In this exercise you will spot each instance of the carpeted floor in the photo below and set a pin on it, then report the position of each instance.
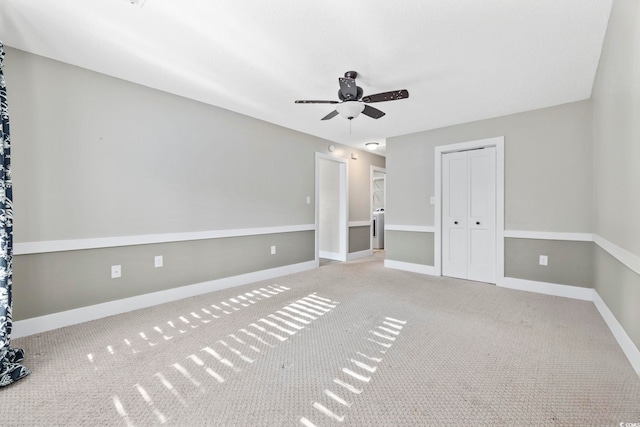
(346, 344)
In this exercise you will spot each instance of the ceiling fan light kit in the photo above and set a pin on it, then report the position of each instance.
(352, 102)
(350, 109)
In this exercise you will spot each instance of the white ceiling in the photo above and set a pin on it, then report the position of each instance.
(461, 60)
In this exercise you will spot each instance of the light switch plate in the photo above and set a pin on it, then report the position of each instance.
(273, 250)
(158, 261)
(544, 260)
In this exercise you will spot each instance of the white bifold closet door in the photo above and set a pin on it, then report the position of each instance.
(469, 215)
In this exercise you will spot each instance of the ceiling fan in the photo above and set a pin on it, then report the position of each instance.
(352, 102)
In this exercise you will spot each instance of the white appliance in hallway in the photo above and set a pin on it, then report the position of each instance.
(469, 214)
(378, 228)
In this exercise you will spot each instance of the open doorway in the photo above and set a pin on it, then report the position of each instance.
(378, 203)
(331, 209)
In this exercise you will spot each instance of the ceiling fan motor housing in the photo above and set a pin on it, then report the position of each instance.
(348, 97)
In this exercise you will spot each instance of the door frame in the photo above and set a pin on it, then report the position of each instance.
(373, 169)
(344, 205)
(498, 143)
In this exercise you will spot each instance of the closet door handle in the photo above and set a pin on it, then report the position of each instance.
(455, 222)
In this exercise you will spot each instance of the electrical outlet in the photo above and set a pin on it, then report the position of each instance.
(308, 200)
(273, 250)
(158, 261)
(432, 200)
(116, 271)
(544, 260)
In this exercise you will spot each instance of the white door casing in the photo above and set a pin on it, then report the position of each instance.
(483, 224)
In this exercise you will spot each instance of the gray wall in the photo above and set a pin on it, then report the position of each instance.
(616, 130)
(54, 282)
(406, 246)
(95, 156)
(548, 172)
(548, 183)
(570, 263)
(359, 238)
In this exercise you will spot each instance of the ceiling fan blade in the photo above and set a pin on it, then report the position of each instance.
(331, 115)
(387, 96)
(316, 102)
(372, 112)
(348, 88)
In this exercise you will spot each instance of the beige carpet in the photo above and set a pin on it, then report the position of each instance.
(346, 344)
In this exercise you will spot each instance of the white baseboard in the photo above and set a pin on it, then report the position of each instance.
(625, 343)
(49, 322)
(361, 254)
(575, 292)
(409, 266)
(331, 255)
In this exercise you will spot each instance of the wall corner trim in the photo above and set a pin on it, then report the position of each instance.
(409, 266)
(49, 322)
(361, 254)
(566, 291)
(625, 343)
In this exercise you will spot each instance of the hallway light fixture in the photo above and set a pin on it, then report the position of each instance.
(371, 145)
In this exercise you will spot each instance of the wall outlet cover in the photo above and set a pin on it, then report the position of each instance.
(158, 261)
(544, 260)
(273, 250)
(116, 271)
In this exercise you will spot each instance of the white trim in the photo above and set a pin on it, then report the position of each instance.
(28, 248)
(359, 223)
(331, 255)
(344, 205)
(49, 322)
(414, 228)
(361, 254)
(625, 343)
(549, 235)
(409, 266)
(629, 259)
(546, 288)
(497, 142)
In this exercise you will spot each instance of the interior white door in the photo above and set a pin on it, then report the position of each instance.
(455, 197)
(469, 214)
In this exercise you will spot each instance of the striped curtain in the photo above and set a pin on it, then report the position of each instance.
(10, 368)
